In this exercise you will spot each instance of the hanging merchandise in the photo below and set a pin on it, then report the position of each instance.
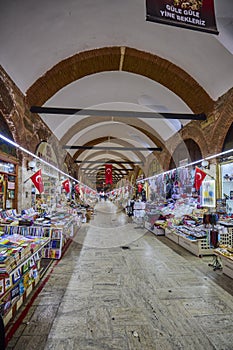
(208, 197)
(37, 181)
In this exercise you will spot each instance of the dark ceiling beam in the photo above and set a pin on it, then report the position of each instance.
(159, 149)
(112, 113)
(97, 169)
(112, 156)
(101, 140)
(110, 162)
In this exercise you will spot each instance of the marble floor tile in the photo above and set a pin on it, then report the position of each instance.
(152, 296)
(31, 343)
(222, 340)
(212, 324)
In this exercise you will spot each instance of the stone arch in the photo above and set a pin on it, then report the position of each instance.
(116, 59)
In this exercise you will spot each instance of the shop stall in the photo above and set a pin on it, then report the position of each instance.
(20, 265)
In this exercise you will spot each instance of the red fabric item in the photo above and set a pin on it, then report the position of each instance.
(198, 178)
(140, 187)
(66, 185)
(108, 173)
(76, 188)
(37, 181)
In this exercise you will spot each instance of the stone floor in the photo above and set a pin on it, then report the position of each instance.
(119, 287)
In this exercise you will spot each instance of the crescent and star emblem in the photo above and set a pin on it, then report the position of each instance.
(38, 179)
(108, 171)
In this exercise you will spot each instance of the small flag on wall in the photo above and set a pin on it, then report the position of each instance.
(198, 178)
(37, 181)
(108, 174)
(77, 189)
(66, 185)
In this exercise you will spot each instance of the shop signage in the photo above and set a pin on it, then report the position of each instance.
(190, 14)
(46, 152)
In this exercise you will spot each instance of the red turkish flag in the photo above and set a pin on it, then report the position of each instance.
(198, 178)
(76, 188)
(66, 185)
(140, 187)
(108, 174)
(37, 181)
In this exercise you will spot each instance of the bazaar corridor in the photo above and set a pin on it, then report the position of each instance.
(120, 287)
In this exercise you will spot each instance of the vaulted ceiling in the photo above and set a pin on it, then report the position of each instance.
(104, 55)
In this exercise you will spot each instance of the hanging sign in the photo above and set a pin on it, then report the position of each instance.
(190, 14)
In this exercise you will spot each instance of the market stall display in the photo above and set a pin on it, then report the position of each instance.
(20, 261)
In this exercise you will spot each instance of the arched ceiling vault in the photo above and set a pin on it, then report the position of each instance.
(120, 59)
(106, 138)
(112, 155)
(133, 122)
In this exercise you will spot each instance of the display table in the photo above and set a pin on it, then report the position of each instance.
(59, 236)
(226, 259)
(154, 229)
(59, 230)
(196, 245)
(20, 262)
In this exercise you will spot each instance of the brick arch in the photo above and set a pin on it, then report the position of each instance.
(116, 59)
(194, 132)
(223, 113)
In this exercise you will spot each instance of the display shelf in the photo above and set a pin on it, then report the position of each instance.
(196, 246)
(61, 229)
(226, 260)
(171, 235)
(17, 284)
